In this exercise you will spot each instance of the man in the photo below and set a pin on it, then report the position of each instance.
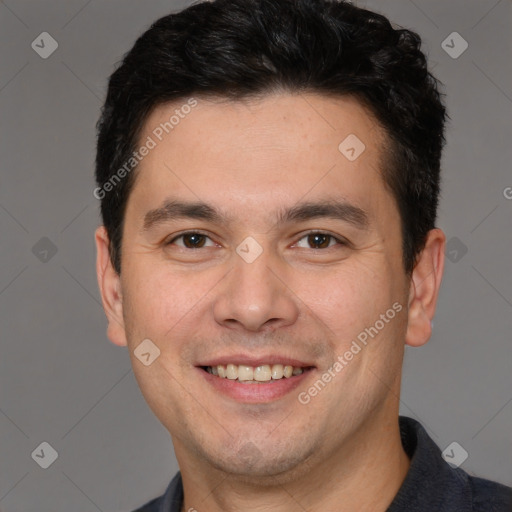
(269, 175)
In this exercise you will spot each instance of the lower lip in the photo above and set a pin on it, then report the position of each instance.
(255, 393)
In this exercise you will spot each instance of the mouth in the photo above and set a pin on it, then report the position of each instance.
(261, 382)
(261, 374)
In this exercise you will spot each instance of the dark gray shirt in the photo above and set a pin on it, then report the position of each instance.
(431, 484)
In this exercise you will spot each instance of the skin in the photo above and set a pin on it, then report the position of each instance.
(341, 451)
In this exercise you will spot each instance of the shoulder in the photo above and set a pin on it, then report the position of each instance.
(152, 506)
(433, 484)
(489, 496)
(170, 501)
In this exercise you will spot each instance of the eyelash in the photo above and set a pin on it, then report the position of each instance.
(305, 235)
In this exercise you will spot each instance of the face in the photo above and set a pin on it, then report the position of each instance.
(289, 256)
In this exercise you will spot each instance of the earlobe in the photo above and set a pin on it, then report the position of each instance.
(109, 283)
(424, 290)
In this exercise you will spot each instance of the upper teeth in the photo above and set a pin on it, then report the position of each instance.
(263, 373)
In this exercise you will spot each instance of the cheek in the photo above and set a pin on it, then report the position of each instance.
(348, 299)
(159, 301)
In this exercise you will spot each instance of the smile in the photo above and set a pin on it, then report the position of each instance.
(254, 374)
(259, 384)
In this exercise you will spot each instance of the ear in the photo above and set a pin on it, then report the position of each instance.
(109, 282)
(424, 290)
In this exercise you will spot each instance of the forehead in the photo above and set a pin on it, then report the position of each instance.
(277, 149)
(275, 121)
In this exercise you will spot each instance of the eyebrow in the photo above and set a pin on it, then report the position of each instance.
(333, 209)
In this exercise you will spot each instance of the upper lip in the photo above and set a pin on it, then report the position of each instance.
(246, 360)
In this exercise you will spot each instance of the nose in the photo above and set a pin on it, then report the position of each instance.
(255, 297)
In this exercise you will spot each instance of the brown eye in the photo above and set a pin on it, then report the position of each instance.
(191, 240)
(318, 240)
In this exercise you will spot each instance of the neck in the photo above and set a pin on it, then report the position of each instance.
(363, 474)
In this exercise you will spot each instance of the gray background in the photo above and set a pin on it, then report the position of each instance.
(63, 382)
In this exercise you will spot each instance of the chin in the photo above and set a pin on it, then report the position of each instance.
(250, 466)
